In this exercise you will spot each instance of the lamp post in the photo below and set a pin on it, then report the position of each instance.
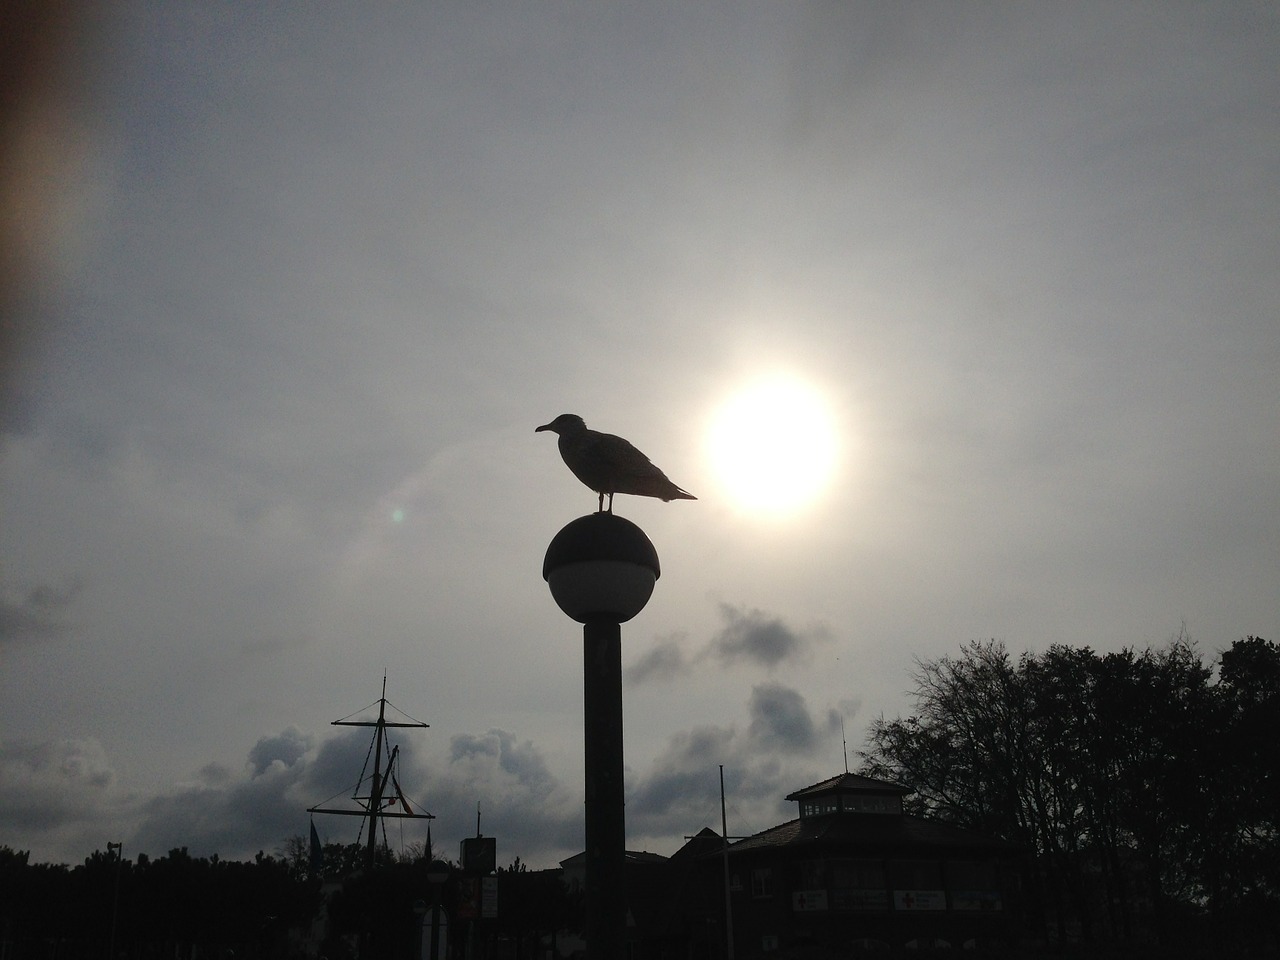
(437, 874)
(115, 897)
(601, 570)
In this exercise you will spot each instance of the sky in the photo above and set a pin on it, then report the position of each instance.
(310, 275)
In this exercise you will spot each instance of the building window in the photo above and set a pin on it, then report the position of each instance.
(819, 806)
(873, 803)
(762, 883)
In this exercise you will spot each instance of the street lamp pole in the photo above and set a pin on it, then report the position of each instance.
(605, 818)
(115, 898)
(437, 874)
(601, 570)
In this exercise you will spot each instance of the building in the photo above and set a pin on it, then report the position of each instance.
(854, 872)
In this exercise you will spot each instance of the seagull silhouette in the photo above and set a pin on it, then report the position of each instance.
(609, 464)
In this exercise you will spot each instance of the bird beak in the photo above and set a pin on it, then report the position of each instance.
(545, 426)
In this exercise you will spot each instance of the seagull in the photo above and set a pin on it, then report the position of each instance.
(609, 464)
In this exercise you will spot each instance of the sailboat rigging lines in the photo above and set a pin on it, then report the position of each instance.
(384, 790)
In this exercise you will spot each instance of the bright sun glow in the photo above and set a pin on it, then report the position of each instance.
(773, 446)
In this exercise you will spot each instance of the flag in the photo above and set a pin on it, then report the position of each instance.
(317, 852)
(400, 793)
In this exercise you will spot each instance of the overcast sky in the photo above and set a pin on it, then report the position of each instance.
(318, 270)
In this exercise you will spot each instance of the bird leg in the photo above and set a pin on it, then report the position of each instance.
(610, 501)
(601, 510)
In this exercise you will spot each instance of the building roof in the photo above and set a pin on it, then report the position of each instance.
(705, 841)
(872, 833)
(579, 860)
(849, 783)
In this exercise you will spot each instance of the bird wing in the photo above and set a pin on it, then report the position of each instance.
(610, 464)
(617, 452)
(598, 459)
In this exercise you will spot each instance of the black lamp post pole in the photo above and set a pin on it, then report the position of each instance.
(437, 874)
(601, 570)
(605, 826)
(435, 924)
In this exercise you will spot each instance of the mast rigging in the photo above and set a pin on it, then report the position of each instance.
(373, 807)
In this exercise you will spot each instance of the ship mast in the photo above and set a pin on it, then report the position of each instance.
(372, 806)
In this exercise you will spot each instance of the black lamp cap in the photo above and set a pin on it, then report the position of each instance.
(600, 536)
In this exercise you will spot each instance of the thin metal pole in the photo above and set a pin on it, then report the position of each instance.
(728, 902)
(605, 820)
(115, 899)
(435, 923)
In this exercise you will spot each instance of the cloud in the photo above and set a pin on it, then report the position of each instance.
(338, 762)
(285, 749)
(780, 719)
(748, 636)
(664, 662)
(777, 751)
(519, 761)
(678, 794)
(521, 802)
(66, 795)
(236, 814)
(46, 785)
(759, 638)
(38, 614)
(233, 816)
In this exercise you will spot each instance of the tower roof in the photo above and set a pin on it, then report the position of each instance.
(849, 783)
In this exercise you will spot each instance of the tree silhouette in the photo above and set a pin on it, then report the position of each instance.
(1143, 792)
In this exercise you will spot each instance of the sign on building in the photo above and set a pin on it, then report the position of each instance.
(919, 900)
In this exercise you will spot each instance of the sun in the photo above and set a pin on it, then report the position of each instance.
(773, 445)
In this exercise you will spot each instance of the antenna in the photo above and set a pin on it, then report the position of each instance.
(844, 745)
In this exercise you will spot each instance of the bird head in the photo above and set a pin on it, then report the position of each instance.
(566, 423)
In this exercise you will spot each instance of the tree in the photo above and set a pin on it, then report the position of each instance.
(1241, 843)
(1132, 781)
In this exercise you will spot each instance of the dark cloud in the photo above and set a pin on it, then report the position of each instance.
(44, 786)
(38, 615)
(233, 822)
(284, 749)
(780, 719)
(664, 662)
(235, 815)
(748, 636)
(777, 752)
(520, 801)
(216, 774)
(236, 811)
(685, 775)
(339, 764)
(758, 638)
